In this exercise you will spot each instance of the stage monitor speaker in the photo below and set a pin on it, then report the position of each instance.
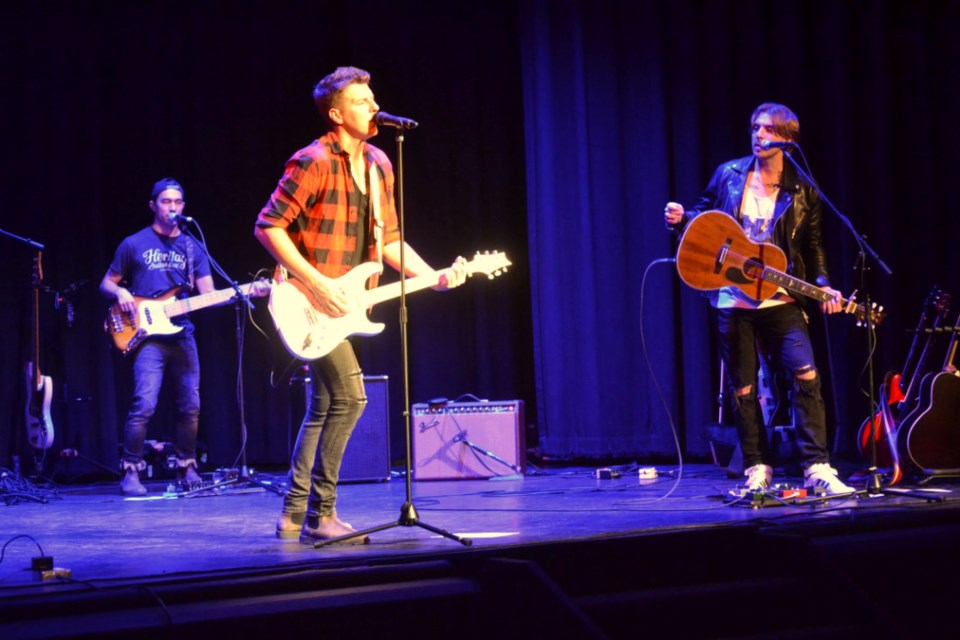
(463, 440)
(367, 458)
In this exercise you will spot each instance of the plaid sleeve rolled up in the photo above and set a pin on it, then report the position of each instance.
(312, 202)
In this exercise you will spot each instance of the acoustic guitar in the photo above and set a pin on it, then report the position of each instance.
(715, 252)
(931, 433)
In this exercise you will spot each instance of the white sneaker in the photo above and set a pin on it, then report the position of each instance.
(759, 477)
(824, 477)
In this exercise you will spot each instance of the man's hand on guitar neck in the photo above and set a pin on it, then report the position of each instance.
(453, 276)
(835, 305)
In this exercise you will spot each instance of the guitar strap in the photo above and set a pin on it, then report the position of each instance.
(375, 210)
(190, 263)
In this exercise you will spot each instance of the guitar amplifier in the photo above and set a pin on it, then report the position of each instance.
(463, 440)
(367, 457)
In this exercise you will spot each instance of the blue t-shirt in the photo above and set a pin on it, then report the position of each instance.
(152, 265)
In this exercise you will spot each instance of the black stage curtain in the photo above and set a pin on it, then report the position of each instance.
(104, 98)
(630, 104)
(553, 131)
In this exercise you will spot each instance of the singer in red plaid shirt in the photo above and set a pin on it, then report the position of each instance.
(317, 202)
(332, 210)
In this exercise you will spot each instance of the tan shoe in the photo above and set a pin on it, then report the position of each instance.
(188, 475)
(130, 484)
(289, 525)
(327, 528)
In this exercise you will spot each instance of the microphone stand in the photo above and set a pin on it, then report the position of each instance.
(408, 512)
(462, 437)
(874, 486)
(241, 301)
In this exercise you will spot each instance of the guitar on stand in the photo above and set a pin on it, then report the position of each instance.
(39, 387)
(899, 390)
(930, 435)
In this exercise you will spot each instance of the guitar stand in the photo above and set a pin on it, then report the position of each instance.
(929, 475)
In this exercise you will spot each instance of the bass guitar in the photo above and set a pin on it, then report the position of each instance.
(152, 315)
(715, 252)
(39, 387)
(308, 333)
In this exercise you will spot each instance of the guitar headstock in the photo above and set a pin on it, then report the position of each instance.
(877, 315)
(259, 288)
(939, 302)
(492, 264)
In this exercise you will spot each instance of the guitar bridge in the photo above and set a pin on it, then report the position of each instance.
(722, 255)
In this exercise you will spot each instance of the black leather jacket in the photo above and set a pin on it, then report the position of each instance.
(797, 216)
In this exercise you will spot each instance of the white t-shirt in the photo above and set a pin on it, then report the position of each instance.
(758, 225)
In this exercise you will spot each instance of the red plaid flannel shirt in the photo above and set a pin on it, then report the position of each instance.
(312, 203)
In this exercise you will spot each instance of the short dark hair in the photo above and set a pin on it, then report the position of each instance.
(328, 90)
(785, 122)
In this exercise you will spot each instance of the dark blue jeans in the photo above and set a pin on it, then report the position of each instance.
(155, 358)
(336, 399)
(781, 332)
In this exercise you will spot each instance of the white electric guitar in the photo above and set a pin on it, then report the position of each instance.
(308, 333)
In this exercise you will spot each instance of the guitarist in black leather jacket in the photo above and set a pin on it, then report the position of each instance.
(764, 194)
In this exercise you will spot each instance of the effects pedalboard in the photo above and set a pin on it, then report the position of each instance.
(775, 496)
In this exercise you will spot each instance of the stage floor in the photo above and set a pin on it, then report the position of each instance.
(104, 540)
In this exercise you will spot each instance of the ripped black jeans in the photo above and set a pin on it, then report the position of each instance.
(335, 401)
(781, 331)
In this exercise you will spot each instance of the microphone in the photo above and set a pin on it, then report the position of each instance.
(179, 217)
(771, 144)
(384, 119)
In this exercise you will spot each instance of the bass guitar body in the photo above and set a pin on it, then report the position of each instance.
(38, 419)
(128, 330)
